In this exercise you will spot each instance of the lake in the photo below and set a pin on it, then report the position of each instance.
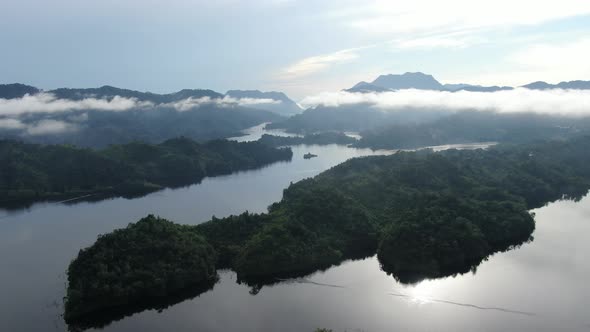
(541, 286)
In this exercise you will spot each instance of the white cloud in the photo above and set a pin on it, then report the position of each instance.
(385, 17)
(566, 102)
(553, 63)
(452, 40)
(570, 57)
(78, 117)
(255, 101)
(50, 127)
(191, 103)
(11, 124)
(48, 103)
(318, 63)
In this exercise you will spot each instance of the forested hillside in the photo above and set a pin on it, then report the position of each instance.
(30, 172)
(472, 127)
(425, 214)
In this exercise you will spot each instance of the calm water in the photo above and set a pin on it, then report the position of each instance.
(539, 287)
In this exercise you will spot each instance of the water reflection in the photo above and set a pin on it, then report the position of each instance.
(256, 132)
(106, 317)
(539, 287)
(424, 299)
(547, 277)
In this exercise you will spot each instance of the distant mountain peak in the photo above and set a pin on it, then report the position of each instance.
(366, 87)
(16, 90)
(422, 81)
(574, 85)
(390, 82)
(408, 80)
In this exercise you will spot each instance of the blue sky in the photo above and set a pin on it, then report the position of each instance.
(299, 47)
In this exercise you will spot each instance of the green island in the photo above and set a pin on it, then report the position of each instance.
(324, 138)
(173, 259)
(31, 172)
(424, 214)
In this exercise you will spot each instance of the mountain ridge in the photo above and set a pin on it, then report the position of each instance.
(421, 81)
(286, 106)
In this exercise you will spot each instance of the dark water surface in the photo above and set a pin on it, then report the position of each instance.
(542, 286)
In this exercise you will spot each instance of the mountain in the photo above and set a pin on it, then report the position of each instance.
(539, 85)
(96, 128)
(109, 92)
(423, 81)
(479, 88)
(365, 87)
(282, 105)
(474, 127)
(408, 81)
(392, 82)
(454, 87)
(155, 122)
(16, 90)
(354, 117)
(574, 85)
(419, 81)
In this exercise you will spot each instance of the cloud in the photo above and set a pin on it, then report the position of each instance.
(318, 63)
(550, 62)
(386, 17)
(11, 124)
(50, 127)
(48, 103)
(571, 57)
(254, 101)
(452, 40)
(565, 102)
(191, 103)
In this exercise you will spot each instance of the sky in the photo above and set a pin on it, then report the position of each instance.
(300, 47)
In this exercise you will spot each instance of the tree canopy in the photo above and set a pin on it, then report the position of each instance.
(30, 172)
(426, 214)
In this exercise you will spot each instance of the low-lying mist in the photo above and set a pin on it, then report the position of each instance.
(520, 100)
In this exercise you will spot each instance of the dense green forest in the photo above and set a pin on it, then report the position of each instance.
(30, 172)
(150, 259)
(426, 214)
(317, 139)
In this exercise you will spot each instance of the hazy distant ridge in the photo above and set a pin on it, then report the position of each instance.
(421, 81)
(285, 105)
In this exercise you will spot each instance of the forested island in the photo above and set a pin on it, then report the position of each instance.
(324, 138)
(424, 214)
(30, 172)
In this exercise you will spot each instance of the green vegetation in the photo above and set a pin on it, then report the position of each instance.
(309, 155)
(152, 258)
(471, 127)
(34, 172)
(317, 139)
(425, 214)
(411, 128)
